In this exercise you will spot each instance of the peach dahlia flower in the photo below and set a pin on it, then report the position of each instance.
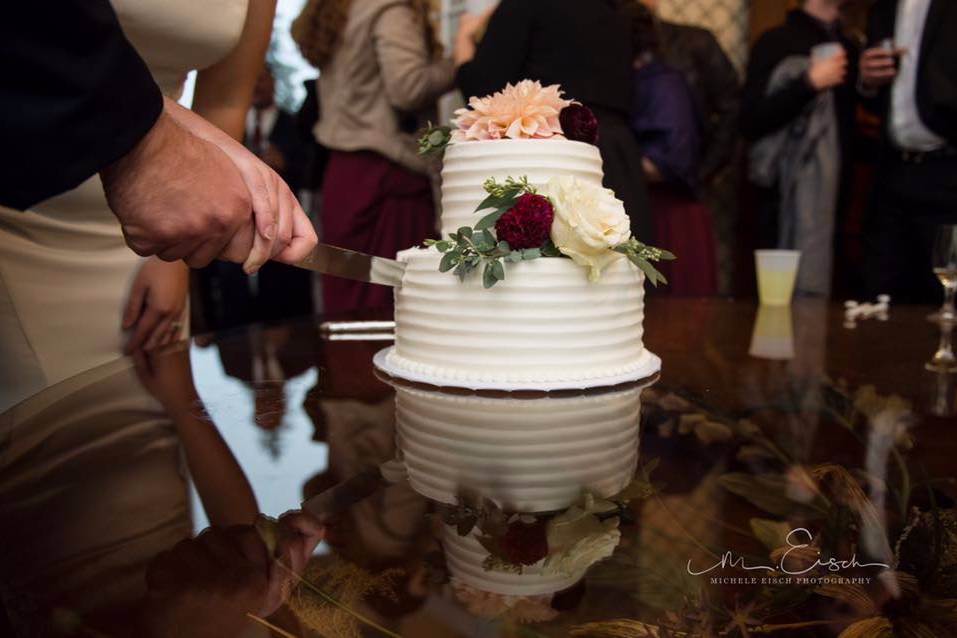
(526, 110)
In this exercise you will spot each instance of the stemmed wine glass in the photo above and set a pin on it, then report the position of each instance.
(945, 267)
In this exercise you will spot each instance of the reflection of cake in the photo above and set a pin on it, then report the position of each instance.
(527, 556)
(528, 455)
(464, 557)
(567, 305)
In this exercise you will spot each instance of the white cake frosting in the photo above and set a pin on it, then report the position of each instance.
(546, 326)
(467, 165)
(526, 455)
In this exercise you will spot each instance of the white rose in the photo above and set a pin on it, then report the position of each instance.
(583, 554)
(589, 222)
(578, 539)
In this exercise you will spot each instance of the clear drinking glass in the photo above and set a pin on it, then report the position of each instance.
(945, 267)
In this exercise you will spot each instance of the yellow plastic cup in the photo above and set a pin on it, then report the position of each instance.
(777, 272)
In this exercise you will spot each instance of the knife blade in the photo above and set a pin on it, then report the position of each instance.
(340, 262)
(344, 495)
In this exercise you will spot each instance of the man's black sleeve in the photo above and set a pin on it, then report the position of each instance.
(74, 96)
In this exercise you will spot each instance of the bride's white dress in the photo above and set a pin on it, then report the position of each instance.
(65, 271)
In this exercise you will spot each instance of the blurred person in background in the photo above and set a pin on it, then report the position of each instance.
(716, 89)
(797, 109)
(72, 293)
(909, 76)
(271, 133)
(668, 129)
(586, 48)
(224, 295)
(381, 72)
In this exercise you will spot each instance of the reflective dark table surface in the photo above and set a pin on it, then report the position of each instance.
(788, 475)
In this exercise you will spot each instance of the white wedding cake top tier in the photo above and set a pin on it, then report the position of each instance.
(467, 165)
(526, 455)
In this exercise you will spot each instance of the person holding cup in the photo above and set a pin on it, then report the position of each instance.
(908, 77)
(797, 110)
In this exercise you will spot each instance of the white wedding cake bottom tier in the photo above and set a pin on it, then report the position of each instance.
(464, 557)
(526, 455)
(545, 327)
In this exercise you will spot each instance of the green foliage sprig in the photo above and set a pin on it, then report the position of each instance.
(469, 249)
(433, 139)
(500, 198)
(643, 256)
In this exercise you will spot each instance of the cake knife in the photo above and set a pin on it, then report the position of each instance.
(344, 495)
(331, 260)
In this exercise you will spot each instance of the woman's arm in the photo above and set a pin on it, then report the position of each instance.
(412, 79)
(225, 90)
(500, 56)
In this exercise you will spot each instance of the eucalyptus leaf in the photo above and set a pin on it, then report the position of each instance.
(449, 261)
(489, 220)
(498, 270)
(488, 277)
(531, 253)
(550, 250)
(465, 231)
(496, 201)
(514, 257)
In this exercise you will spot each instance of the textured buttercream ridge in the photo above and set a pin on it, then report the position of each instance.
(440, 373)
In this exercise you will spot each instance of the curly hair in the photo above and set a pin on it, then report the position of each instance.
(318, 29)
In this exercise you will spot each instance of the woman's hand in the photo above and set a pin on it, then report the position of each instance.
(155, 311)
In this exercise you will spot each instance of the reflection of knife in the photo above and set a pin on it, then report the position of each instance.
(330, 260)
(341, 497)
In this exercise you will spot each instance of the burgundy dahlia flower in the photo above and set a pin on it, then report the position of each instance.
(528, 223)
(525, 543)
(579, 123)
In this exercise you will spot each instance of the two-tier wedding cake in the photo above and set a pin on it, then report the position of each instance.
(537, 282)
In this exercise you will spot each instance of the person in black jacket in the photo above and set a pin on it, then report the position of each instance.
(763, 113)
(583, 46)
(77, 100)
(913, 85)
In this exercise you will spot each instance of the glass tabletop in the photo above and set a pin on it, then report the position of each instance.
(788, 473)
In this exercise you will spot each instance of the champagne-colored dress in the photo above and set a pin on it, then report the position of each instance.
(65, 270)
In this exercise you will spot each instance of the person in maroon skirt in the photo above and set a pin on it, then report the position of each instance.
(380, 75)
